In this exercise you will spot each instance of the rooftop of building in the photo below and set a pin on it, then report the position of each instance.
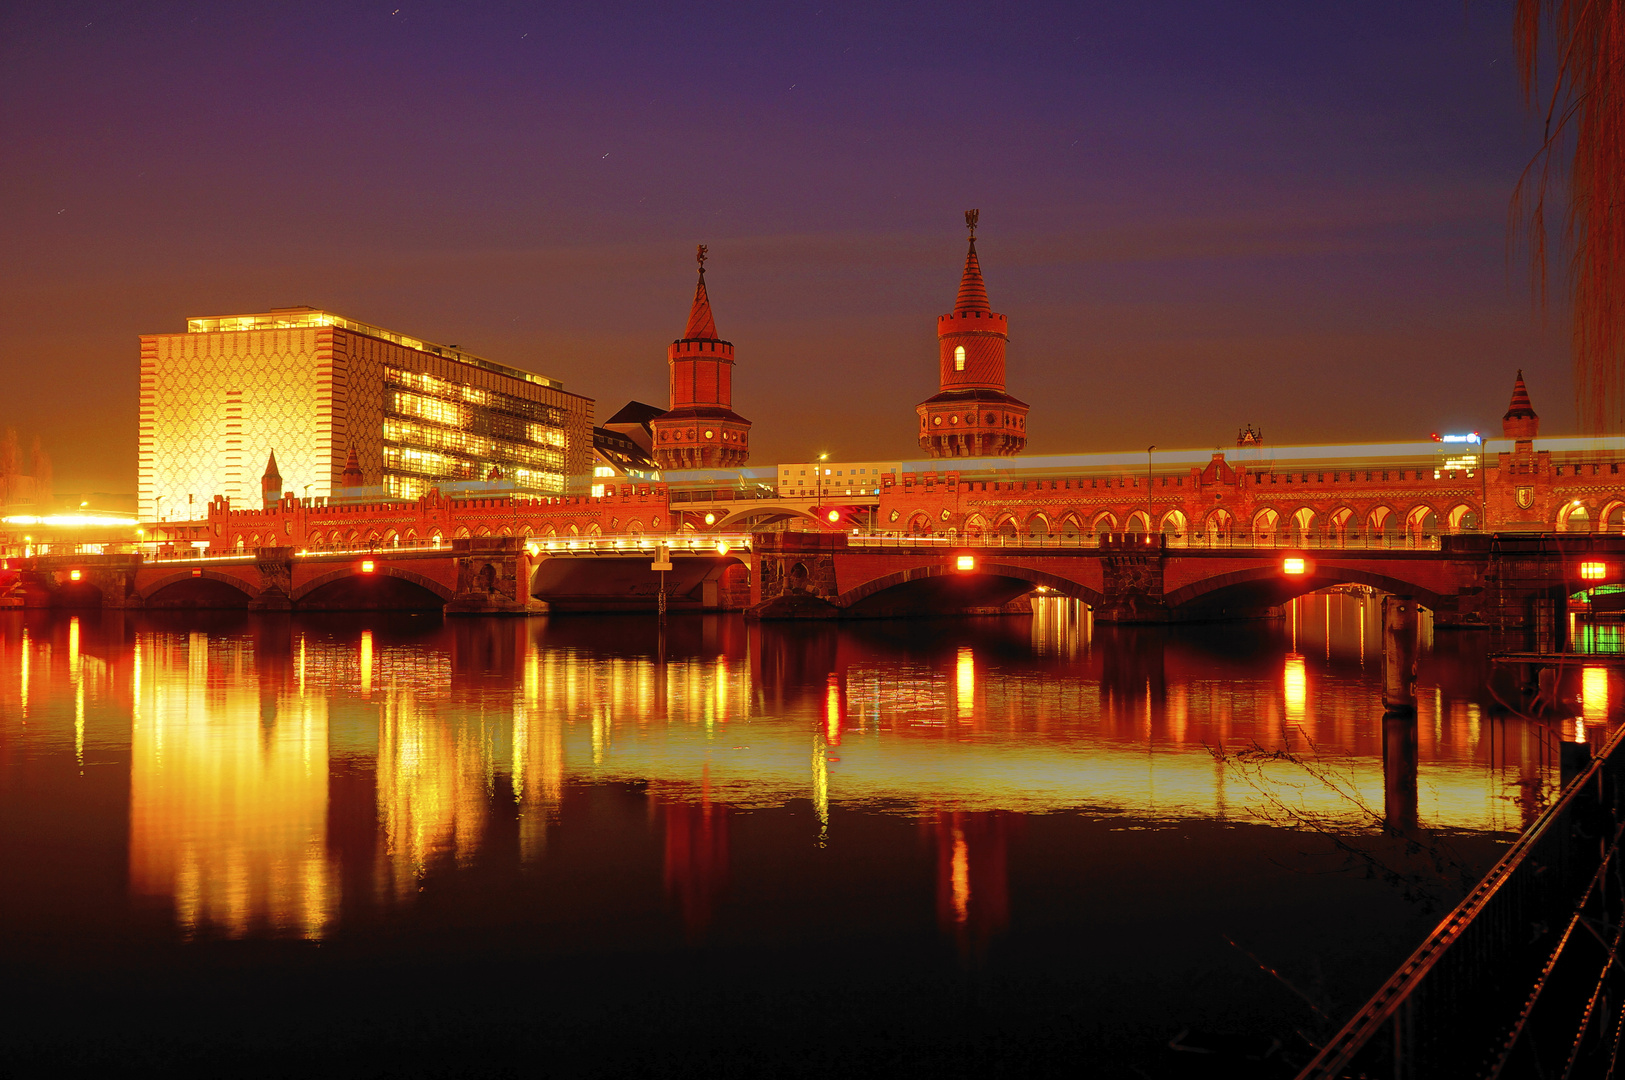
(300, 318)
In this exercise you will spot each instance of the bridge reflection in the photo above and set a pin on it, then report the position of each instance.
(286, 772)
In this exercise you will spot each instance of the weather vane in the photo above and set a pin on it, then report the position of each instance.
(970, 221)
(700, 257)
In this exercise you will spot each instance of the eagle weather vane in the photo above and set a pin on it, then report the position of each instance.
(970, 221)
(699, 257)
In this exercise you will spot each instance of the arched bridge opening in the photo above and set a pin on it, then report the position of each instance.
(387, 588)
(947, 589)
(1259, 590)
(205, 589)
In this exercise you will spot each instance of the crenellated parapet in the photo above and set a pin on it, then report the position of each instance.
(432, 519)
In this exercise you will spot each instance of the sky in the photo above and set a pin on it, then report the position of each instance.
(1197, 215)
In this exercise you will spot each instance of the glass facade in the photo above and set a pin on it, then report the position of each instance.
(437, 430)
(313, 388)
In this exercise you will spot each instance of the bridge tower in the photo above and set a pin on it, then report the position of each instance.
(700, 430)
(970, 415)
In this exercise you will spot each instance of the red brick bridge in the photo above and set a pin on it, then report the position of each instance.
(1497, 580)
(1469, 580)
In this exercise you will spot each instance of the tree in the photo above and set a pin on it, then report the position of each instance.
(1585, 110)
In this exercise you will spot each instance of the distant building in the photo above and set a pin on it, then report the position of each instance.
(971, 415)
(622, 448)
(316, 390)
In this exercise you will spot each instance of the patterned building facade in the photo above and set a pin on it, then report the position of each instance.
(970, 415)
(701, 430)
(316, 390)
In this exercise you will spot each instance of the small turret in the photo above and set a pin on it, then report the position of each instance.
(352, 476)
(271, 483)
(1520, 422)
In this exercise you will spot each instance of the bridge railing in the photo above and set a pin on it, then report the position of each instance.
(1201, 541)
(1517, 968)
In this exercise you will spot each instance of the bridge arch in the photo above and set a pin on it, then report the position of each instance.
(1071, 526)
(382, 570)
(1338, 523)
(1302, 526)
(984, 569)
(771, 514)
(1574, 516)
(975, 527)
(1219, 524)
(1422, 521)
(1264, 524)
(1612, 518)
(1173, 523)
(1037, 525)
(1105, 522)
(1266, 586)
(1382, 523)
(184, 586)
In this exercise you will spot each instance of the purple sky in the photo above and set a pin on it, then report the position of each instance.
(1195, 214)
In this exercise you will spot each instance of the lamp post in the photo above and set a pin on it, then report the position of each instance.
(157, 515)
(818, 490)
(1149, 526)
(1484, 489)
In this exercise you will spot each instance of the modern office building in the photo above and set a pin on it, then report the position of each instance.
(312, 387)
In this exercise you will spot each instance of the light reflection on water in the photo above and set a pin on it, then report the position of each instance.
(256, 747)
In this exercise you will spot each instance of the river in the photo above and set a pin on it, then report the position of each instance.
(387, 845)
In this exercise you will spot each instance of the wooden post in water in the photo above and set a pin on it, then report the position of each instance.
(1400, 641)
(1399, 772)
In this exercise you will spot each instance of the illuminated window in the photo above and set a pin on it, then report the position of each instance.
(1292, 566)
(603, 470)
(367, 566)
(1593, 571)
(965, 562)
(959, 358)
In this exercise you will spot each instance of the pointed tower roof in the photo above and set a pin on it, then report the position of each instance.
(1521, 408)
(272, 478)
(1520, 421)
(972, 291)
(352, 477)
(700, 323)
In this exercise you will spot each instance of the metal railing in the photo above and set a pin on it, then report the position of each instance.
(1199, 541)
(1517, 968)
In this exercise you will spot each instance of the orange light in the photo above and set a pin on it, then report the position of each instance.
(965, 562)
(197, 573)
(834, 516)
(73, 575)
(366, 566)
(1292, 566)
(1593, 571)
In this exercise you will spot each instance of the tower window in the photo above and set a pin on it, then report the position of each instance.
(959, 358)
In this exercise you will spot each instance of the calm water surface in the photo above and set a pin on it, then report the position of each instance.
(403, 846)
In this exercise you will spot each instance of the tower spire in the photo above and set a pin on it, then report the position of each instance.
(701, 325)
(972, 290)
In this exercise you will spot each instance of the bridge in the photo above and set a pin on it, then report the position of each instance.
(478, 576)
(1501, 581)
(1497, 581)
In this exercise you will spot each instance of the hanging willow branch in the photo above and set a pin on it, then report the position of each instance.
(1585, 109)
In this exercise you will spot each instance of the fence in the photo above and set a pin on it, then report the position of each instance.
(1511, 980)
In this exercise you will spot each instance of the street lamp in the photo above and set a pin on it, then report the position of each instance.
(1148, 522)
(818, 477)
